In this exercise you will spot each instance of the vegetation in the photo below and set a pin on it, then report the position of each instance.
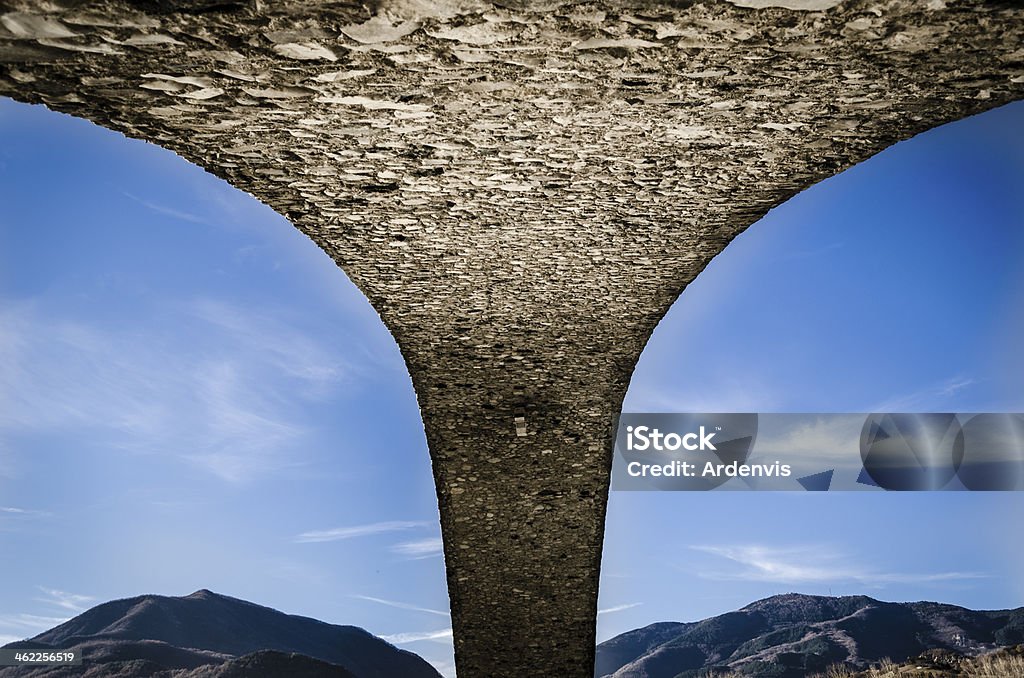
(996, 666)
(1006, 663)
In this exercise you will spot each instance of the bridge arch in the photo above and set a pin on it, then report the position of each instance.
(521, 190)
(206, 389)
(892, 287)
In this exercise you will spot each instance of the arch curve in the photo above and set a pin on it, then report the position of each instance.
(521, 191)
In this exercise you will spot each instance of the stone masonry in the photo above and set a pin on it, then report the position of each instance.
(521, 188)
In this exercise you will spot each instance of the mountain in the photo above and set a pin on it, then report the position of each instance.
(794, 635)
(207, 635)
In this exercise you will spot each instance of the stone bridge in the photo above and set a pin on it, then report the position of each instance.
(521, 188)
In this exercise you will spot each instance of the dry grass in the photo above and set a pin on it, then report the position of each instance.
(995, 666)
(885, 669)
(836, 671)
(998, 665)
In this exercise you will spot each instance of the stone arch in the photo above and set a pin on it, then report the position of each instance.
(521, 189)
(774, 324)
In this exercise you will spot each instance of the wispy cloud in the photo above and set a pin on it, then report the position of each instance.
(30, 623)
(832, 438)
(12, 517)
(353, 531)
(217, 391)
(763, 563)
(653, 391)
(896, 578)
(810, 565)
(25, 513)
(63, 605)
(444, 636)
(812, 253)
(403, 606)
(422, 548)
(618, 608)
(952, 386)
(73, 602)
(244, 435)
(932, 398)
(290, 353)
(167, 211)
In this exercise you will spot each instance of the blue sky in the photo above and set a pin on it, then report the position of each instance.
(192, 395)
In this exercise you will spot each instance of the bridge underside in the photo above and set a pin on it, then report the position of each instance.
(521, 188)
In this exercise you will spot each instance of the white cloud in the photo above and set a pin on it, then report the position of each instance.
(403, 606)
(22, 513)
(69, 601)
(952, 386)
(444, 635)
(618, 608)
(12, 517)
(653, 391)
(423, 548)
(167, 211)
(809, 565)
(896, 578)
(826, 439)
(19, 626)
(762, 563)
(813, 253)
(30, 623)
(244, 436)
(933, 398)
(216, 391)
(288, 352)
(339, 533)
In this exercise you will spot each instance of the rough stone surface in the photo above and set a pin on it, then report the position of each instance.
(521, 188)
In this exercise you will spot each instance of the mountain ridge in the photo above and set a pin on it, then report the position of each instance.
(173, 636)
(794, 635)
